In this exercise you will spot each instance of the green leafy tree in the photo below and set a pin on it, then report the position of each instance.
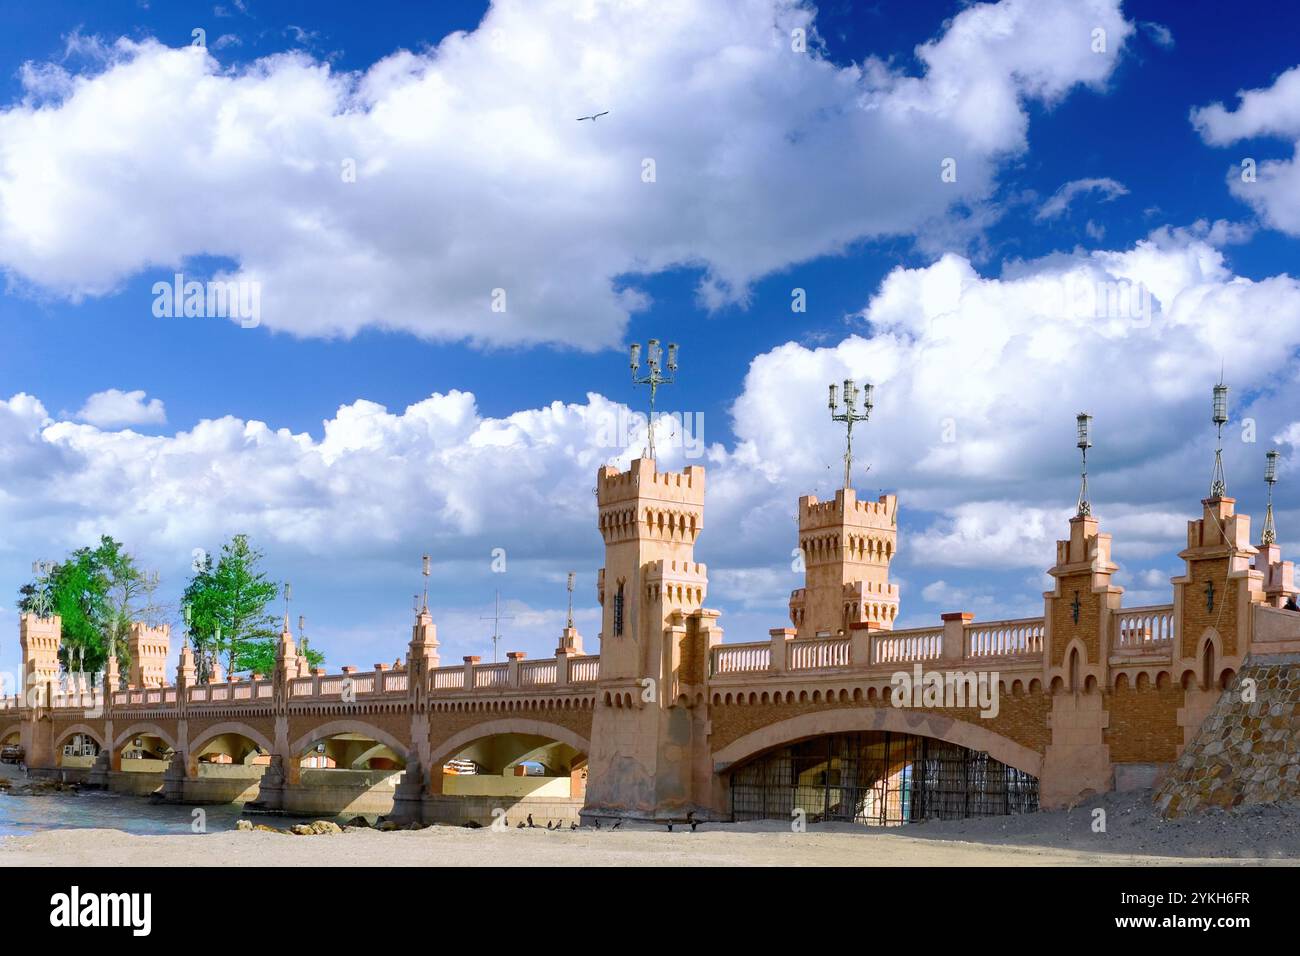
(260, 656)
(97, 592)
(228, 610)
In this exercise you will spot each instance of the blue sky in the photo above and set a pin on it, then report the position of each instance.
(112, 178)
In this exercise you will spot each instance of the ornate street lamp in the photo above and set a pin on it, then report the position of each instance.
(654, 379)
(849, 416)
(42, 570)
(1084, 422)
(1218, 485)
(1269, 535)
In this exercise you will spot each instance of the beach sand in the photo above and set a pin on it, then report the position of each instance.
(1134, 835)
(455, 846)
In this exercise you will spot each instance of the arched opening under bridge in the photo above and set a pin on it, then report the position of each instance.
(877, 778)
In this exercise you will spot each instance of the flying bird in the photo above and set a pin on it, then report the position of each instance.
(593, 117)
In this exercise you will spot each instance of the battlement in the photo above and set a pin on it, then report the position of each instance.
(847, 511)
(149, 648)
(40, 639)
(642, 481)
(684, 571)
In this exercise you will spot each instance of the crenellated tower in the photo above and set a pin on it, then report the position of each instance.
(40, 639)
(847, 546)
(649, 752)
(650, 522)
(149, 648)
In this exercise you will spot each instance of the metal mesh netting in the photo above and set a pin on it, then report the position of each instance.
(879, 779)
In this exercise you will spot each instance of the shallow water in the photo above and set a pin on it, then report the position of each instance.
(98, 809)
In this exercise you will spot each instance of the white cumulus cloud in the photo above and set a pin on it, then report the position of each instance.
(1270, 186)
(113, 408)
(474, 186)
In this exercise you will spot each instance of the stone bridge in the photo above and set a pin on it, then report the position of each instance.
(839, 716)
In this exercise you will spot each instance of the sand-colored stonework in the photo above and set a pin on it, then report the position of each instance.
(1091, 696)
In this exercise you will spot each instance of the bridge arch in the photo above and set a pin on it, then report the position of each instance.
(151, 729)
(86, 730)
(11, 731)
(229, 727)
(893, 719)
(349, 727)
(454, 744)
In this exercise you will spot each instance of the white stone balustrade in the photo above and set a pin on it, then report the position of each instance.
(904, 647)
(1022, 637)
(1141, 629)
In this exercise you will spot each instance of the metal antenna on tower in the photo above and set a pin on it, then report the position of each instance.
(1084, 420)
(288, 596)
(849, 416)
(654, 379)
(496, 618)
(570, 586)
(424, 569)
(1269, 535)
(1218, 484)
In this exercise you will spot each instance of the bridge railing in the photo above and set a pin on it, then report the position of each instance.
(1021, 637)
(1141, 630)
(534, 673)
(741, 658)
(818, 653)
(904, 647)
(447, 678)
(584, 669)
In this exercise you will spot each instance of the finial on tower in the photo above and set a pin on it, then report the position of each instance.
(849, 416)
(1269, 535)
(1218, 484)
(654, 379)
(1084, 423)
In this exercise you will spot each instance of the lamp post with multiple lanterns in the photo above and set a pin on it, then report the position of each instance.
(1084, 422)
(849, 416)
(1218, 484)
(654, 379)
(1269, 534)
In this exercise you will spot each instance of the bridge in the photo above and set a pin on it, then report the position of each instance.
(837, 716)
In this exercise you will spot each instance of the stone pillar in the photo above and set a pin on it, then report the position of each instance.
(112, 681)
(513, 659)
(571, 641)
(470, 661)
(860, 643)
(954, 634)
(781, 637)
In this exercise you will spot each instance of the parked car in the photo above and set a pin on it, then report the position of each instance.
(12, 753)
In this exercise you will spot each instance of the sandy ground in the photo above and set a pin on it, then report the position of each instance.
(1134, 837)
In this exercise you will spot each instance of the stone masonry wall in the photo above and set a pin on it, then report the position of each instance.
(1247, 751)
